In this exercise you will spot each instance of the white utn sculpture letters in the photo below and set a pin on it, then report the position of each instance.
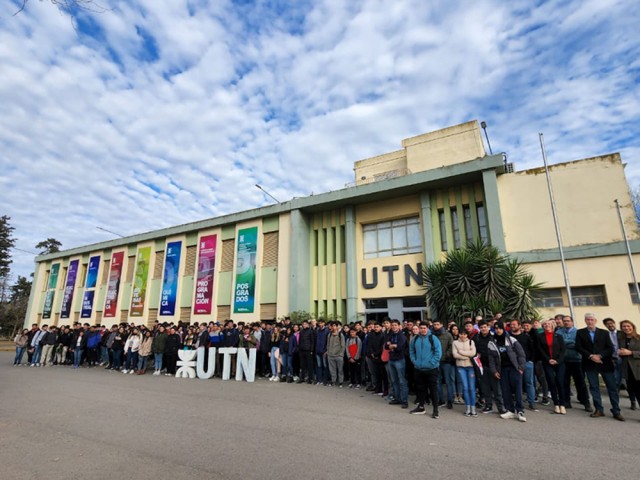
(226, 363)
(211, 364)
(186, 364)
(246, 365)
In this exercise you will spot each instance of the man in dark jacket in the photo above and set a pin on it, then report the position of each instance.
(528, 345)
(375, 343)
(322, 364)
(47, 343)
(306, 345)
(594, 344)
(489, 384)
(172, 346)
(507, 362)
(396, 343)
(64, 342)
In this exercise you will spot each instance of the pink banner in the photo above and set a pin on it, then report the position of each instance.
(204, 281)
(113, 287)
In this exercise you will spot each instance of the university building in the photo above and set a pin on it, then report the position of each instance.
(357, 253)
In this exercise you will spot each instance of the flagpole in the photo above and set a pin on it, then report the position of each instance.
(557, 227)
(626, 242)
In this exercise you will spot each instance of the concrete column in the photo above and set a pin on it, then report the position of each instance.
(352, 264)
(300, 276)
(427, 231)
(492, 209)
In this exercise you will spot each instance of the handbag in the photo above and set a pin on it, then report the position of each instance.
(384, 357)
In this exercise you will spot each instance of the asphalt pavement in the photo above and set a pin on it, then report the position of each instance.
(60, 423)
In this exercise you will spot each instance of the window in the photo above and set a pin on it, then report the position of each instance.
(468, 229)
(375, 303)
(397, 237)
(549, 297)
(634, 295)
(443, 230)
(456, 228)
(414, 302)
(482, 223)
(590, 296)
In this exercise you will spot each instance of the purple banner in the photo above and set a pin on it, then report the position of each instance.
(87, 304)
(204, 281)
(69, 288)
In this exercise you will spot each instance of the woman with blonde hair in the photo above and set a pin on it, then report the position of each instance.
(551, 351)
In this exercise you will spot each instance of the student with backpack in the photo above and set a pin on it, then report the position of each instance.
(425, 352)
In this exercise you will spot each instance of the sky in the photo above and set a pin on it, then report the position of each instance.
(149, 114)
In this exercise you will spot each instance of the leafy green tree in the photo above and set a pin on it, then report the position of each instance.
(50, 245)
(6, 244)
(479, 280)
(14, 311)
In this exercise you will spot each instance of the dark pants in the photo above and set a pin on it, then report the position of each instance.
(307, 365)
(542, 380)
(511, 383)
(490, 387)
(92, 356)
(117, 359)
(555, 379)
(374, 366)
(427, 383)
(612, 389)
(354, 372)
(172, 358)
(263, 363)
(574, 370)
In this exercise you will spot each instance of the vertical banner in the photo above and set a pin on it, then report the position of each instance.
(53, 280)
(206, 269)
(87, 304)
(70, 286)
(113, 287)
(170, 280)
(92, 272)
(246, 270)
(140, 282)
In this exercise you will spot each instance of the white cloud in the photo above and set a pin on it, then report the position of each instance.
(98, 131)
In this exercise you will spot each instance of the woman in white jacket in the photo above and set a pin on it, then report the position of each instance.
(463, 351)
(131, 347)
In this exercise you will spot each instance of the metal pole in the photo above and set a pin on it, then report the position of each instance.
(557, 227)
(626, 242)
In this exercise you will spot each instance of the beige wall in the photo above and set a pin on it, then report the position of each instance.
(284, 262)
(584, 192)
(613, 272)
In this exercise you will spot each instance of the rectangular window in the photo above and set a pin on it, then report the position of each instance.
(549, 297)
(482, 223)
(375, 303)
(414, 302)
(590, 296)
(443, 231)
(468, 229)
(398, 237)
(634, 295)
(456, 228)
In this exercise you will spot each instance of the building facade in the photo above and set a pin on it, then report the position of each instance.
(357, 253)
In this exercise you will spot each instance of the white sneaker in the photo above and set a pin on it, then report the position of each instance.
(271, 378)
(521, 417)
(125, 371)
(131, 372)
(507, 415)
(276, 379)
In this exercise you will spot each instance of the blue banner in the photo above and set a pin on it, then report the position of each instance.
(69, 288)
(92, 272)
(170, 280)
(87, 304)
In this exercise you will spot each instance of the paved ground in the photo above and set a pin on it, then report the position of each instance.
(59, 423)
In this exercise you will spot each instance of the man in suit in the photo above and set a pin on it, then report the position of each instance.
(594, 344)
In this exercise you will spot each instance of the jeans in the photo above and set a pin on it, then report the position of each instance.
(290, 365)
(142, 362)
(574, 370)
(555, 380)
(448, 372)
(77, 356)
(157, 361)
(284, 362)
(104, 354)
(399, 381)
(336, 369)
(511, 383)
(275, 368)
(427, 382)
(132, 360)
(612, 389)
(467, 376)
(117, 359)
(322, 368)
(529, 382)
(19, 354)
(36, 355)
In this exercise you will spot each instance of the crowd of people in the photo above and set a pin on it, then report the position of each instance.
(514, 365)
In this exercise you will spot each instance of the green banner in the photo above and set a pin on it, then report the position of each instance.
(140, 282)
(53, 277)
(53, 281)
(245, 289)
(48, 304)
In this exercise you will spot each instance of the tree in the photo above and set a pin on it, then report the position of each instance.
(13, 312)
(635, 199)
(50, 245)
(479, 280)
(6, 244)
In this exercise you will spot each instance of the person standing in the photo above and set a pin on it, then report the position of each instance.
(36, 345)
(425, 352)
(551, 350)
(396, 343)
(375, 343)
(21, 341)
(629, 351)
(354, 354)
(306, 342)
(610, 325)
(507, 362)
(47, 342)
(322, 362)
(157, 348)
(528, 344)
(335, 354)
(573, 366)
(489, 384)
(172, 345)
(463, 351)
(594, 344)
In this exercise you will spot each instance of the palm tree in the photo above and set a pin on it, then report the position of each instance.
(480, 280)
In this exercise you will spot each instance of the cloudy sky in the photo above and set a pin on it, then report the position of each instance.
(157, 113)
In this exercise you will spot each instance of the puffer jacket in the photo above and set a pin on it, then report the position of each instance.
(463, 352)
